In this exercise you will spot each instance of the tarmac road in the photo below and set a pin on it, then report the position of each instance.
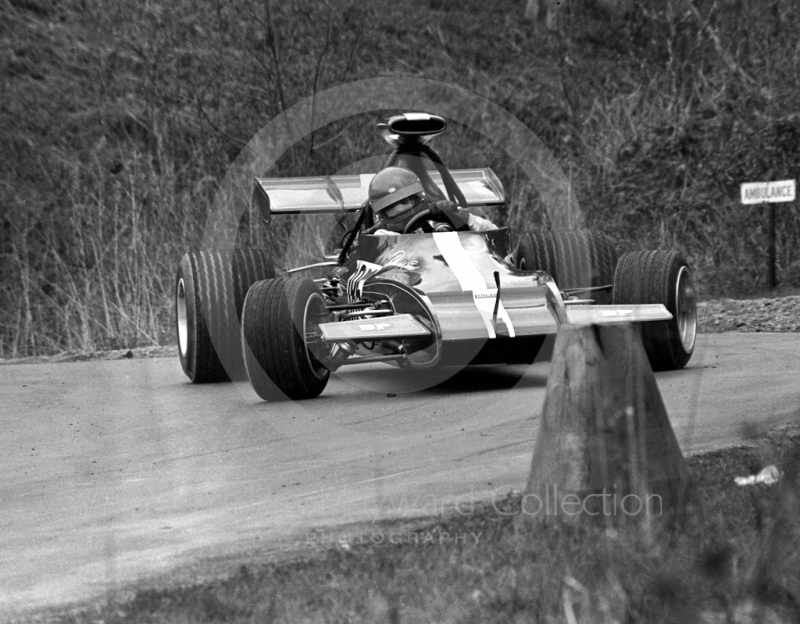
(116, 471)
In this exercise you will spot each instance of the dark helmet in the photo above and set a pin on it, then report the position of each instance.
(392, 185)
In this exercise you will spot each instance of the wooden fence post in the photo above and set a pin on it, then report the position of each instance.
(606, 449)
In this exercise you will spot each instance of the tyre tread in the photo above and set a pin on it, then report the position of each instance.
(219, 282)
(573, 258)
(274, 345)
(644, 277)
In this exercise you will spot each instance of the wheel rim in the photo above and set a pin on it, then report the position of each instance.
(315, 312)
(686, 309)
(183, 323)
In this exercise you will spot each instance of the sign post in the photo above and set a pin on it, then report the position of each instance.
(769, 193)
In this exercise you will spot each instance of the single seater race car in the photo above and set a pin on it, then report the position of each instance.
(437, 298)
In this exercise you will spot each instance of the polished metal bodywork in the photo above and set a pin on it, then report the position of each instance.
(461, 287)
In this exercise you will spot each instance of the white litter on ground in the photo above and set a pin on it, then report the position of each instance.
(767, 476)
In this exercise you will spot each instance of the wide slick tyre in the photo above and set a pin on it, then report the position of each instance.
(278, 317)
(210, 288)
(661, 277)
(575, 259)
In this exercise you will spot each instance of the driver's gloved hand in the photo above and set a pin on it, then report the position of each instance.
(447, 209)
(443, 208)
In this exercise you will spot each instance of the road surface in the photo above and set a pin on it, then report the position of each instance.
(112, 471)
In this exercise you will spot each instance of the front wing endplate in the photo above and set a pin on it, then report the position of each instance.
(591, 314)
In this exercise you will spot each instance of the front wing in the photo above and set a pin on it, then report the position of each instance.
(539, 320)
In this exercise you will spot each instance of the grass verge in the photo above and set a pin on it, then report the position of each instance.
(735, 558)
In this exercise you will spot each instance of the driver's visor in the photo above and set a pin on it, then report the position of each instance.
(392, 198)
(400, 209)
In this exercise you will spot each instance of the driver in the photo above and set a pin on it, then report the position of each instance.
(396, 196)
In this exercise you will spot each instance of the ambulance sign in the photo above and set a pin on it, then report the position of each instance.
(768, 192)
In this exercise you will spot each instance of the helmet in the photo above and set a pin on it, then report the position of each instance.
(391, 185)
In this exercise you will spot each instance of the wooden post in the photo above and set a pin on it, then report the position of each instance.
(773, 275)
(606, 449)
(776, 191)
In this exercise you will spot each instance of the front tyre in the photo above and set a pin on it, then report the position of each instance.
(280, 332)
(661, 277)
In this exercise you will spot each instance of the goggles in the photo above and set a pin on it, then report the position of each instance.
(379, 205)
(400, 209)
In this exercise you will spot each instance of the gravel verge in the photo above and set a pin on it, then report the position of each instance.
(780, 314)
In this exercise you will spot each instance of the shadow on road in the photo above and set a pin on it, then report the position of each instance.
(487, 378)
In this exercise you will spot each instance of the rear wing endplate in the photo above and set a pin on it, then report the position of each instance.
(331, 194)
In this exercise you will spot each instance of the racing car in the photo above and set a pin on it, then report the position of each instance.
(436, 298)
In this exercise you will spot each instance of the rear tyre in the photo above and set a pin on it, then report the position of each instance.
(661, 277)
(573, 258)
(210, 288)
(279, 319)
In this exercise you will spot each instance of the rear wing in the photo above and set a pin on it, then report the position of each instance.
(331, 194)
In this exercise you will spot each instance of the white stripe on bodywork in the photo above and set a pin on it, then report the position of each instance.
(470, 278)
